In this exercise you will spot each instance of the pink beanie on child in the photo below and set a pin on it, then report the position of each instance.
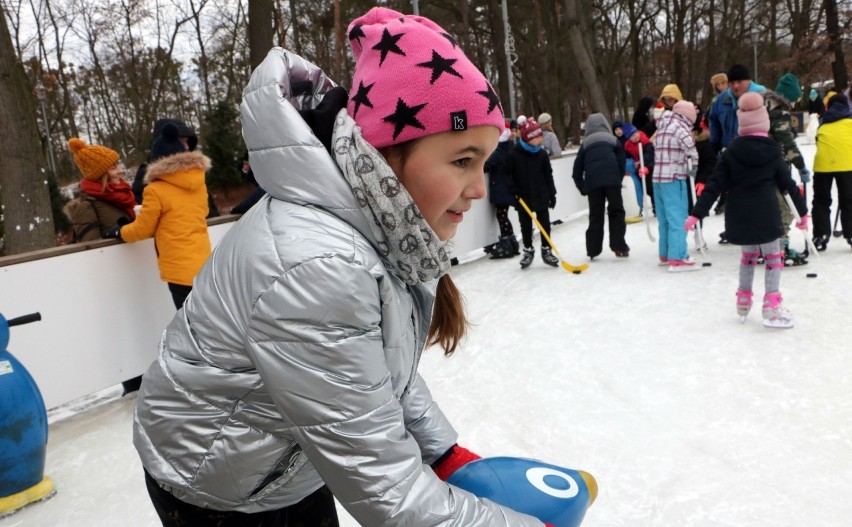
(752, 115)
(412, 80)
(686, 109)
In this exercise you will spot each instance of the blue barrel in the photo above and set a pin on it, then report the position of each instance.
(23, 429)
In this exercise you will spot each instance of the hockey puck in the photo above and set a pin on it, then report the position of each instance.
(576, 272)
(706, 264)
(811, 275)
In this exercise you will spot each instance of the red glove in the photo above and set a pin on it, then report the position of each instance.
(689, 224)
(802, 224)
(643, 171)
(454, 459)
(699, 188)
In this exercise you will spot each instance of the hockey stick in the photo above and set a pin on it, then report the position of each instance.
(797, 217)
(645, 208)
(699, 235)
(835, 232)
(576, 269)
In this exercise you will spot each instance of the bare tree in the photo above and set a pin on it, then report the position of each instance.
(585, 57)
(23, 184)
(835, 44)
(260, 30)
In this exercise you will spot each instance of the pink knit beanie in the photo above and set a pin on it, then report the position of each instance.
(752, 115)
(686, 109)
(412, 80)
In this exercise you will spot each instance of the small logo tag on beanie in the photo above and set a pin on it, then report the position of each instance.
(459, 120)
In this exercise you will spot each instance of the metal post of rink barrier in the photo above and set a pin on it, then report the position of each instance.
(23, 430)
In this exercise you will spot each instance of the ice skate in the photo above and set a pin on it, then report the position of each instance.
(527, 257)
(774, 313)
(744, 301)
(680, 266)
(548, 257)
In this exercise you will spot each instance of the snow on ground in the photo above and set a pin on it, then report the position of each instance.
(642, 377)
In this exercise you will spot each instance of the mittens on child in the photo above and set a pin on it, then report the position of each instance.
(454, 459)
(689, 224)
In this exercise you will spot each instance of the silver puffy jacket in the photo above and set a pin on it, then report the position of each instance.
(294, 360)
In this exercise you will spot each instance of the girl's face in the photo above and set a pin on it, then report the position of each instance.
(619, 132)
(635, 137)
(114, 173)
(444, 173)
(535, 141)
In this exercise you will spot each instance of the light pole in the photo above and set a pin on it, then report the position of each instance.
(40, 92)
(754, 46)
(415, 7)
(509, 45)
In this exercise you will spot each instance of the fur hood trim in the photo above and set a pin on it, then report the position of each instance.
(774, 100)
(177, 163)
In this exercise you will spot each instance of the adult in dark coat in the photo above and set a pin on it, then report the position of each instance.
(598, 174)
(190, 140)
(641, 117)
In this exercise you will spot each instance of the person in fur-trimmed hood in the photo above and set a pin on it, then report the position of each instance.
(174, 211)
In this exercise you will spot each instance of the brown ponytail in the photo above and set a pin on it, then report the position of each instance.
(449, 322)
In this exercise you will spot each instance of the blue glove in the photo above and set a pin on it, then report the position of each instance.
(805, 175)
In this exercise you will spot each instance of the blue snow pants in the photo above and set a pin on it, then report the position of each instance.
(671, 202)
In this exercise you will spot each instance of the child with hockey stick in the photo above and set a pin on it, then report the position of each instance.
(750, 170)
(598, 174)
(291, 375)
(528, 171)
(636, 140)
(673, 147)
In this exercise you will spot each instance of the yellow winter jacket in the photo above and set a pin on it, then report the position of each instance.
(174, 212)
(834, 147)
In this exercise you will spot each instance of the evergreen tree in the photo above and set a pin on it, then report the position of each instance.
(223, 144)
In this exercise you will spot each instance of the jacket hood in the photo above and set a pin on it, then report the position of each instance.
(754, 150)
(671, 90)
(598, 130)
(288, 160)
(184, 170)
(775, 101)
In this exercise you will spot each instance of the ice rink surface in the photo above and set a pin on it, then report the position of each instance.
(645, 378)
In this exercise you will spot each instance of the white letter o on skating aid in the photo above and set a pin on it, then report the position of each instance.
(536, 477)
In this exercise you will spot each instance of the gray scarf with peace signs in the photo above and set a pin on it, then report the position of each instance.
(407, 244)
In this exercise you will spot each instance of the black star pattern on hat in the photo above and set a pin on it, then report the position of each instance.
(450, 38)
(404, 116)
(388, 45)
(361, 97)
(440, 65)
(493, 100)
(357, 34)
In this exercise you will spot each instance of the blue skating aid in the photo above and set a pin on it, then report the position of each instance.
(23, 431)
(555, 495)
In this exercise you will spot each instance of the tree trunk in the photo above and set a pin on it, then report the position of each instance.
(259, 30)
(585, 58)
(27, 221)
(835, 46)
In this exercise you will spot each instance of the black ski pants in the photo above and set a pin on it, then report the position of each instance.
(598, 209)
(316, 510)
(543, 217)
(821, 205)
